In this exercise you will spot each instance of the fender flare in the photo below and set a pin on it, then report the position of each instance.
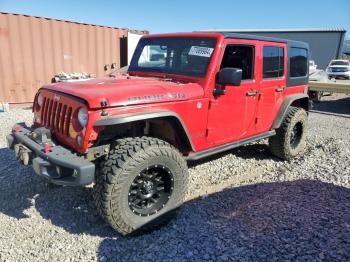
(286, 104)
(132, 117)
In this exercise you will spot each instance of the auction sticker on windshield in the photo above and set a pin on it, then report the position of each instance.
(201, 51)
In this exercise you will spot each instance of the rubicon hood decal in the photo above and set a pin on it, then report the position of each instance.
(158, 97)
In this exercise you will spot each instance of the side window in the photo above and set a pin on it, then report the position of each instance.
(240, 56)
(273, 62)
(298, 62)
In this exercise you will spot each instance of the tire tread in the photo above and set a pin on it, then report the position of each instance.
(110, 179)
(277, 142)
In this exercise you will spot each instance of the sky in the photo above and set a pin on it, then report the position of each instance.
(182, 16)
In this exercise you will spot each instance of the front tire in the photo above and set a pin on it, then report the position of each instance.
(140, 184)
(290, 138)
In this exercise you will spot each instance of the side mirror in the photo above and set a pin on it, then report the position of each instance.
(230, 76)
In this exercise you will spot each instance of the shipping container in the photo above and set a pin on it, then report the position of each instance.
(34, 49)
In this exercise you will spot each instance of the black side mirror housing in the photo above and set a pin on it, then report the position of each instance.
(230, 76)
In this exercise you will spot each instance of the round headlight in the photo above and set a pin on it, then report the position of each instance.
(83, 116)
(40, 100)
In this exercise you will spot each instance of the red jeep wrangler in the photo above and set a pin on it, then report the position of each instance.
(185, 96)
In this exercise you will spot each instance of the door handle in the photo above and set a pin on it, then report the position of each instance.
(279, 89)
(252, 93)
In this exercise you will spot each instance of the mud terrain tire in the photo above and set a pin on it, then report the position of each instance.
(119, 176)
(290, 138)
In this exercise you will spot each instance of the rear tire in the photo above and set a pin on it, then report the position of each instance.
(140, 185)
(290, 138)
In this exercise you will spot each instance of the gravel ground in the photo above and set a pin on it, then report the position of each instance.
(242, 205)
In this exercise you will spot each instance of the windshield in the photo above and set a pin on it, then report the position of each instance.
(343, 63)
(183, 56)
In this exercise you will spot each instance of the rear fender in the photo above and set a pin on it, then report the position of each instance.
(297, 100)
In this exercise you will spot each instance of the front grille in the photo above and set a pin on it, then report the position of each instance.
(339, 69)
(56, 116)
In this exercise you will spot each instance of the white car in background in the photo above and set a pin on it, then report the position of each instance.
(338, 68)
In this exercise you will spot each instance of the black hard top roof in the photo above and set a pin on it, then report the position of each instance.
(290, 43)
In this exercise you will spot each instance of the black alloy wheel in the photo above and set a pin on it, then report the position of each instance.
(151, 190)
(296, 134)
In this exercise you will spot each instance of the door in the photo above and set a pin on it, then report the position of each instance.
(272, 85)
(232, 115)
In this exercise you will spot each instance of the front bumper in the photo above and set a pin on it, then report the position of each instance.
(56, 163)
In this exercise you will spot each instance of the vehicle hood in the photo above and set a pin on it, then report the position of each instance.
(128, 90)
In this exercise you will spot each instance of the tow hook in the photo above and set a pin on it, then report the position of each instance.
(23, 154)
